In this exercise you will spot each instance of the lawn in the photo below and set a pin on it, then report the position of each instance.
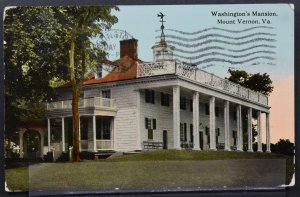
(17, 178)
(161, 170)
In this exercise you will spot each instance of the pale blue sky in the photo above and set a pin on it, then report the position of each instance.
(142, 21)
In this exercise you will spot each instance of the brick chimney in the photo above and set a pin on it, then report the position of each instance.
(129, 47)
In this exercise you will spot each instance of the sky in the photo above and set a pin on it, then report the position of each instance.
(142, 22)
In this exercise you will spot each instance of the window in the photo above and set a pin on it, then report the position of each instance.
(181, 132)
(206, 109)
(182, 103)
(150, 123)
(83, 128)
(185, 132)
(150, 134)
(217, 135)
(106, 94)
(103, 127)
(165, 99)
(191, 133)
(81, 95)
(99, 71)
(191, 105)
(149, 96)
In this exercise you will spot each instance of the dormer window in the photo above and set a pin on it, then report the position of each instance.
(98, 73)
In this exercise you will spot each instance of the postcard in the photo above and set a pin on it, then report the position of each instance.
(147, 98)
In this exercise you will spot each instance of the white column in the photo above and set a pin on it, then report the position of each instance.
(94, 133)
(196, 120)
(226, 126)
(250, 147)
(268, 132)
(259, 145)
(176, 117)
(63, 133)
(239, 127)
(112, 132)
(49, 137)
(138, 120)
(212, 122)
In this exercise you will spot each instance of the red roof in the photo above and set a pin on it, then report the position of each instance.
(126, 69)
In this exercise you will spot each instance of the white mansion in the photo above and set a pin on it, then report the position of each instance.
(163, 104)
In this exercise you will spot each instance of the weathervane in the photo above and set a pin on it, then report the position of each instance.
(162, 36)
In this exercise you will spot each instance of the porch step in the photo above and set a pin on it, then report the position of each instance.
(114, 155)
(103, 154)
(132, 152)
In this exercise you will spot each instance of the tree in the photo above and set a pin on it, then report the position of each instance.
(34, 54)
(41, 45)
(284, 147)
(260, 83)
(83, 23)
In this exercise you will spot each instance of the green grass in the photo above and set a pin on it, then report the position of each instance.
(162, 155)
(166, 169)
(17, 178)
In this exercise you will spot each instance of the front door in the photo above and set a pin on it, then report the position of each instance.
(165, 139)
(201, 140)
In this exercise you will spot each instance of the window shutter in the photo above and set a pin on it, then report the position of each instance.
(191, 133)
(146, 96)
(218, 131)
(234, 134)
(154, 124)
(146, 123)
(206, 130)
(185, 131)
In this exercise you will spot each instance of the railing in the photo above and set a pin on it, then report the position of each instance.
(83, 145)
(192, 73)
(104, 144)
(87, 102)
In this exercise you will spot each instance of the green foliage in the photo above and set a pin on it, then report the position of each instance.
(36, 55)
(258, 82)
(33, 55)
(284, 147)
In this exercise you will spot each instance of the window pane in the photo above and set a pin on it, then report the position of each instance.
(106, 94)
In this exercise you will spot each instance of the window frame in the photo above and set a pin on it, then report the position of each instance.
(106, 91)
(165, 99)
(149, 96)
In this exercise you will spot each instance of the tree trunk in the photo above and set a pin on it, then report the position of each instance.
(75, 98)
(75, 114)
